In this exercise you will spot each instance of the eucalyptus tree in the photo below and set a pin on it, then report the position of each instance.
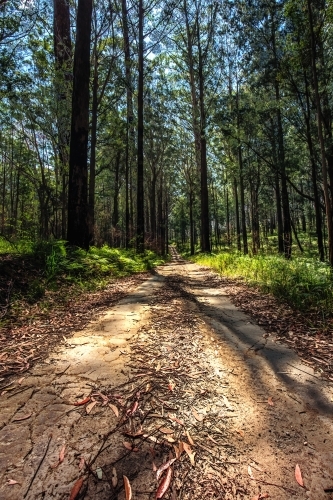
(78, 227)
(197, 47)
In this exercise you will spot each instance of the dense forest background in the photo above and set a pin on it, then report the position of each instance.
(135, 123)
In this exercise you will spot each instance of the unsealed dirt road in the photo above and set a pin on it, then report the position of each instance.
(173, 371)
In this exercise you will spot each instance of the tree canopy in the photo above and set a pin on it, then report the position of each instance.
(207, 123)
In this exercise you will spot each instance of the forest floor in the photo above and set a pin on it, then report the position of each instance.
(173, 373)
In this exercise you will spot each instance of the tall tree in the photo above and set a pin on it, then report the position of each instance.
(78, 227)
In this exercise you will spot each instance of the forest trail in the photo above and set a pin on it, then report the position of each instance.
(172, 370)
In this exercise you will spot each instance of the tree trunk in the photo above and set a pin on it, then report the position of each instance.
(205, 222)
(328, 202)
(192, 251)
(140, 221)
(129, 127)
(63, 67)
(318, 215)
(78, 228)
(287, 235)
(242, 199)
(93, 142)
(115, 215)
(238, 231)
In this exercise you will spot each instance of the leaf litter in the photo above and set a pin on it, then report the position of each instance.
(179, 429)
(185, 431)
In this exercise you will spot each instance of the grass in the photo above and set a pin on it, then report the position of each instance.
(30, 271)
(304, 283)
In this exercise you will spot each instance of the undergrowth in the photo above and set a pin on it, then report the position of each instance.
(304, 283)
(33, 272)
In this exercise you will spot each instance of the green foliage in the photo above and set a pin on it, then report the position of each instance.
(32, 269)
(304, 283)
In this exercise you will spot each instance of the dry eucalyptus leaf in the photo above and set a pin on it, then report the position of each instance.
(114, 409)
(128, 488)
(90, 406)
(298, 475)
(197, 416)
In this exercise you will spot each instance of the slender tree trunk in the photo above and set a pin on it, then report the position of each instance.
(78, 228)
(93, 142)
(328, 201)
(140, 222)
(63, 78)
(242, 199)
(192, 251)
(205, 222)
(115, 215)
(153, 207)
(279, 213)
(318, 215)
(287, 235)
(238, 231)
(227, 215)
(129, 128)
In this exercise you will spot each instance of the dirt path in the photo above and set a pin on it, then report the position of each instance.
(174, 370)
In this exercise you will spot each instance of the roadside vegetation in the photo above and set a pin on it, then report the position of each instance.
(304, 282)
(37, 273)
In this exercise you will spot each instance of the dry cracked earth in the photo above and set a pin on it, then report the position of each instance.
(172, 391)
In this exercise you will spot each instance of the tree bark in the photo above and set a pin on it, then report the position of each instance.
(140, 219)
(328, 201)
(63, 78)
(129, 127)
(93, 142)
(238, 231)
(78, 228)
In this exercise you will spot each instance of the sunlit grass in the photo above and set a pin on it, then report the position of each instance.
(305, 283)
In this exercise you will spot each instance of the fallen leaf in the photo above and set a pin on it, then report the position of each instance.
(148, 387)
(114, 409)
(24, 417)
(175, 419)
(128, 489)
(133, 409)
(158, 367)
(189, 438)
(177, 451)
(12, 481)
(188, 450)
(83, 402)
(114, 477)
(170, 439)
(181, 447)
(298, 475)
(82, 463)
(61, 457)
(270, 401)
(76, 489)
(165, 483)
(165, 430)
(21, 380)
(90, 406)
(211, 439)
(99, 472)
(128, 445)
(249, 470)
(198, 417)
(164, 466)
